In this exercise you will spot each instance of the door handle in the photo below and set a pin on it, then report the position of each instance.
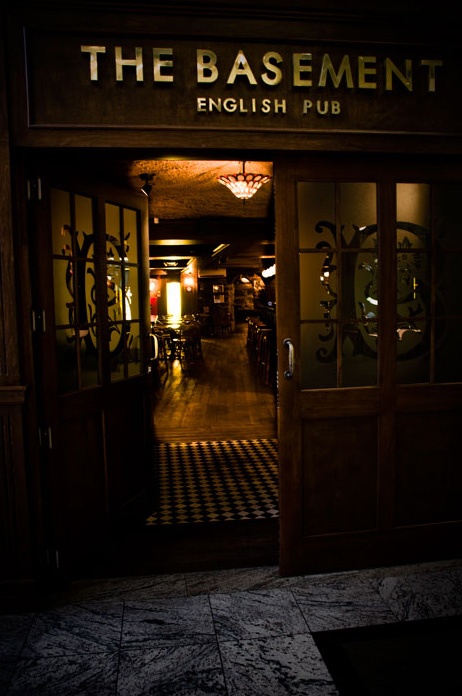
(287, 343)
(154, 347)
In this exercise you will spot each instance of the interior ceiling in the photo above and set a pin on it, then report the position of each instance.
(191, 213)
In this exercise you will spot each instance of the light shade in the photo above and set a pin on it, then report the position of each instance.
(147, 186)
(244, 184)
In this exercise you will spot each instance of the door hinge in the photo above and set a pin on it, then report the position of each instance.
(45, 437)
(52, 558)
(38, 320)
(34, 189)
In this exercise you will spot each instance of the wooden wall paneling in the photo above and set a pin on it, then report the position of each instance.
(9, 354)
(15, 536)
(136, 128)
(17, 550)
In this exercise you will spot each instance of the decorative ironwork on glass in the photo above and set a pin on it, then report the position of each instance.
(327, 268)
(119, 291)
(81, 287)
(413, 297)
(338, 283)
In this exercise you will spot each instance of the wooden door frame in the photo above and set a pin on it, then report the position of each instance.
(287, 313)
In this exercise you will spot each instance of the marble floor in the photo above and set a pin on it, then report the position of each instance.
(243, 632)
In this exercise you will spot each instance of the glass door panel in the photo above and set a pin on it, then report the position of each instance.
(429, 292)
(413, 302)
(338, 263)
(74, 290)
(123, 291)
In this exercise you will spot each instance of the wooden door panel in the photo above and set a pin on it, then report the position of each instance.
(339, 475)
(78, 480)
(128, 445)
(346, 402)
(428, 469)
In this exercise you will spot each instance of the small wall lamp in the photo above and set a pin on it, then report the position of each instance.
(147, 186)
(188, 283)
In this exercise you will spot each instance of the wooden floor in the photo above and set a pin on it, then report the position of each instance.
(219, 398)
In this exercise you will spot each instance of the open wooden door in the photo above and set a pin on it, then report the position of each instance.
(368, 370)
(89, 254)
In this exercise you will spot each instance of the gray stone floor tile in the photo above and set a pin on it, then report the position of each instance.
(191, 670)
(69, 675)
(235, 580)
(93, 627)
(7, 669)
(423, 595)
(146, 587)
(168, 622)
(256, 614)
(342, 602)
(276, 666)
(14, 629)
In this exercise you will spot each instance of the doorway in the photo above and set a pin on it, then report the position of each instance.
(224, 401)
(215, 419)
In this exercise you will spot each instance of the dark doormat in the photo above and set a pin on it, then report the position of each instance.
(409, 658)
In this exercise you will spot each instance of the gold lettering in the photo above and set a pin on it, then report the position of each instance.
(93, 51)
(431, 65)
(207, 70)
(241, 68)
(241, 105)
(159, 64)
(230, 105)
(340, 72)
(364, 71)
(279, 106)
(328, 69)
(268, 59)
(391, 69)
(136, 62)
(300, 67)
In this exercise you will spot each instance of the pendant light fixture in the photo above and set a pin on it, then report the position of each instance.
(244, 184)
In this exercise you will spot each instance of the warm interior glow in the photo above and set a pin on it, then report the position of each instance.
(154, 293)
(269, 272)
(188, 282)
(174, 300)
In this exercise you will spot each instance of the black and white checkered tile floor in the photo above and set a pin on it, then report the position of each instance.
(203, 482)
